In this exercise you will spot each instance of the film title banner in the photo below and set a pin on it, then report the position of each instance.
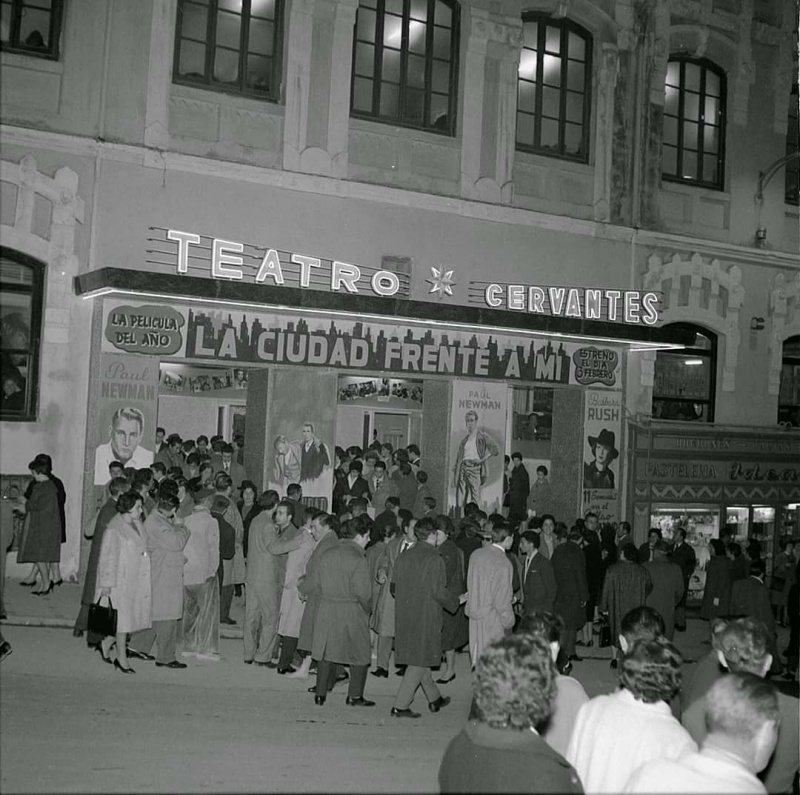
(223, 336)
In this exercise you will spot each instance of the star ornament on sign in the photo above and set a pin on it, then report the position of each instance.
(442, 282)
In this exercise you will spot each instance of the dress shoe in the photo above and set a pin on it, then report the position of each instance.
(575, 658)
(614, 665)
(248, 662)
(358, 701)
(288, 670)
(445, 681)
(440, 702)
(140, 655)
(565, 671)
(319, 700)
(27, 584)
(173, 664)
(5, 649)
(381, 672)
(228, 620)
(118, 666)
(400, 670)
(103, 656)
(264, 664)
(404, 713)
(76, 633)
(45, 592)
(3, 616)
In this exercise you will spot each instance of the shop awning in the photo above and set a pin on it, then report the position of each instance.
(183, 288)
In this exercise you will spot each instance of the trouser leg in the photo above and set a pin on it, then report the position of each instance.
(288, 648)
(429, 686)
(143, 640)
(358, 681)
(82, 621)
(191, 615)
(568, 638)
(326, 673)
(384, 651)
(252, 624)
(269, 629)
(225, 600)
(408, 686)
(167, 636)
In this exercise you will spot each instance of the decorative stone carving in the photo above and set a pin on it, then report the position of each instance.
(784, 322)
(717, 316)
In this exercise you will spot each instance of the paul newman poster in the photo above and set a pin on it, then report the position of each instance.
(602, 427)
(211, 334)
(477, 444)
(127, 410)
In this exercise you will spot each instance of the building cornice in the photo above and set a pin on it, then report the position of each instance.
(361, 191)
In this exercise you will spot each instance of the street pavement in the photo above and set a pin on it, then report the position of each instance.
(70, 723)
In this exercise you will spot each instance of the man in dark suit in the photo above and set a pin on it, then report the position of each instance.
(232, 467)
(685, 557)
(314, 455)
(351, 486)
(538, 580)
(519, 488)
(750, 598)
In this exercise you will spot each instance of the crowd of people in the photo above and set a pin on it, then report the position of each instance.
(174, 543)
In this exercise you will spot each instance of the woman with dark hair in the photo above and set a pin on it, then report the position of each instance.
(249, 508)
(717, 591)
(41, 541)
(627, 585)
(455, 629)
(500, 750)
(123, 576)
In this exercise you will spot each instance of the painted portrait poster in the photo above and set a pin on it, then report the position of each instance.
(477, 441)
(126, 412)
(602, 427)
(300, 434)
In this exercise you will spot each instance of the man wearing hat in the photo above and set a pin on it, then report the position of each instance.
(596, 473)
(668, 587)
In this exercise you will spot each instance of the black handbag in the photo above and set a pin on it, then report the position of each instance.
(605, 633)
(103, 619)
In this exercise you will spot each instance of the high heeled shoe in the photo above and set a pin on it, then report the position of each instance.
(105, 659)
(58, 582)
(44, 593)
(27, 584)
(118, 666)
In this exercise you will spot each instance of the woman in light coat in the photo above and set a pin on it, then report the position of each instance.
(291, 607)
(123, 575)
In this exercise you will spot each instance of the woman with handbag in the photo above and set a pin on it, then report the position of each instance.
(123, 576)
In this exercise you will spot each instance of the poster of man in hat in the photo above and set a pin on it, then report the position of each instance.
(602, 428)
(597, 473)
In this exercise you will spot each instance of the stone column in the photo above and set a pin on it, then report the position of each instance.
(159, 73)
(489, 105)
(604, 131)
(319, 46)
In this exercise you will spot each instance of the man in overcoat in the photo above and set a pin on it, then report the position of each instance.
(324, 528)
(668, 587)
(165, 543)
(519, 487)
(684, 555)
(341, 626)
(383, 614)
(750, 598)
(490, 592)
(419, 584)
(538, 580)
(572, 590)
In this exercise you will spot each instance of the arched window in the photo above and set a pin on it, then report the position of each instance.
(685, 380)
(554, 88)
(234, 46)
(405, 63)
(792, 148)
(789, 396)
(693, 149)
(21, 291)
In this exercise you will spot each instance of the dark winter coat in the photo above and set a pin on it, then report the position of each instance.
(627, 586)
(569, 568)
(309, 614)
(667, 591)
(455, 628)
(539, 587)
(41, 541)
(419, 584)
(104, 516)
(718, 586)
(341, 626)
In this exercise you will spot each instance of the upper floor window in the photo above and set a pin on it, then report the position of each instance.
(21, 291)
(554, 90)
(32, 27)
(793, 148)
(405, 63)
(693, 149)
(685, 380)
(230, 45)
(789, 395)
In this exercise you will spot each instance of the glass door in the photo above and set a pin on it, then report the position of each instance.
(738, 518)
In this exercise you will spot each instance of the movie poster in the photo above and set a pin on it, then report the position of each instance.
(126, 412)
(300, 434)
(477, 444)
(602, 428)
